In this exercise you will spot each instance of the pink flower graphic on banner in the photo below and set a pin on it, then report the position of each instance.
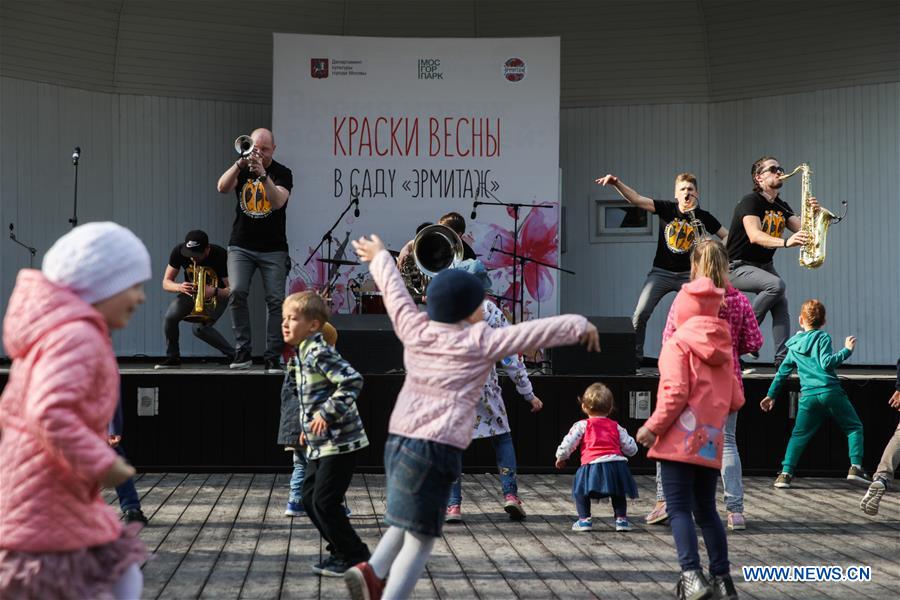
(537, 241)
(314, 276)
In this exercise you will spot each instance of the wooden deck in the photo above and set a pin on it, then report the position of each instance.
(225, 536)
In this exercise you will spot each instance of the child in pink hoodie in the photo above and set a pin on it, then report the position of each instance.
(448, 354)
(697, 391)
(710, 259)
(58, 538)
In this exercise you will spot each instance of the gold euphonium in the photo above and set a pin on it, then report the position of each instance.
(203, 307)
(814, 221)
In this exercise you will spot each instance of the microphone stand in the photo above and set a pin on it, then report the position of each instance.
(75, 157)
(354, 200)
(515, 253)
(525, 259)
(31, 250)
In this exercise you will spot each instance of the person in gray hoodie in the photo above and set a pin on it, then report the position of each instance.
(821, 395)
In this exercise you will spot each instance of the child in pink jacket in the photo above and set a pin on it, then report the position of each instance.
(697, 391)
(710, 259)
(448, 354)
(58, 538)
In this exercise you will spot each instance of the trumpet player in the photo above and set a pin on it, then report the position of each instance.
(196, 251)
(757, 226)
(258, 240)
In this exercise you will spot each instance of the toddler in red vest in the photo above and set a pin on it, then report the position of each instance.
(603, 473)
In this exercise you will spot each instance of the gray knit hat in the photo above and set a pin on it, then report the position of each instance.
(97, 261)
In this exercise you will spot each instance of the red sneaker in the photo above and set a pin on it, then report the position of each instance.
(363, 583)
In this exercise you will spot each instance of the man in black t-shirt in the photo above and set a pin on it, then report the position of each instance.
(759, 220)
(258, 241)
(678, 232)
(196, 251)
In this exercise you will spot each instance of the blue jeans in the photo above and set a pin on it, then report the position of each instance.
(505, 454)
(296, 494)
(732, 474)
(127, 493)
(273, 266)
(419, 474)
(691, 496)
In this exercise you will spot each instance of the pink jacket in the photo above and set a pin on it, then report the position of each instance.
(697, 390)
(745, 334)
(62, 391)
(448, 364)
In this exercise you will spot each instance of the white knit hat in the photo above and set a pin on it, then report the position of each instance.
(97, 261)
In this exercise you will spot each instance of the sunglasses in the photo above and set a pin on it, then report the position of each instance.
(771, 169)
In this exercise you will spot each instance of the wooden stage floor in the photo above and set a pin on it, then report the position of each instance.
(225, 536)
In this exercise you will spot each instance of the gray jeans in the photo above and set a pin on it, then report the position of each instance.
(273, 266)
(659, 283)
(181, 307)
(764, 281)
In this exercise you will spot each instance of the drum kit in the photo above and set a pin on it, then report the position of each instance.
(369, 300)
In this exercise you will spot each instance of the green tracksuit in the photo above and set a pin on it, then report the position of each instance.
(821, 394)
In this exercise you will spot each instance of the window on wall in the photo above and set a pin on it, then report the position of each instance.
(619, 221)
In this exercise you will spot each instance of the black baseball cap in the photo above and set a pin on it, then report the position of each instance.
(195, 244)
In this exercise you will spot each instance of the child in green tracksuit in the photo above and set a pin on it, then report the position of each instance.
(821, 394)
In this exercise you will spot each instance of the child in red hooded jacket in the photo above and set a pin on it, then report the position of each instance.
(697, 390)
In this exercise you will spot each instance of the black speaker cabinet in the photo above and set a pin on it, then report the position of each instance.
(368, 342)
(616, 356)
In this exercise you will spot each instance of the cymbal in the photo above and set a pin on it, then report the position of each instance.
(337, 261)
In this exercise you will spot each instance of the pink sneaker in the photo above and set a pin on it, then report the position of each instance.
(513, 507)
(657, 515)
(454, 515)
(363, 583)
(736, 521)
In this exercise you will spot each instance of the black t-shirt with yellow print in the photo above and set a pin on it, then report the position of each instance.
(256, 225)
(773, 218)
(677, 235)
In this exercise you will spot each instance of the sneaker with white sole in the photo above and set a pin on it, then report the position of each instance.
(242, 360)
(783, 481)
(513, 507)
(736, 521)
(294, 509)
(857, 473)
(583, 525)
(623, 524)
(870, 502)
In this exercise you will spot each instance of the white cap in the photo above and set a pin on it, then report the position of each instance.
(97, 261)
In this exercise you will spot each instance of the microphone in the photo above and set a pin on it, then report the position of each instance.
(76, 155)
(491, 253)
(355, 196)
(12, 233)
(473, 215)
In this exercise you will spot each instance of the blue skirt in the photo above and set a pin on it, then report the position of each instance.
(604, 479)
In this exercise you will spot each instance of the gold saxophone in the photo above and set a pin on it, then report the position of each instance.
(203, 307)
(814, 221)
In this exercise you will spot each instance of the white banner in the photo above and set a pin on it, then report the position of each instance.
(419, 128)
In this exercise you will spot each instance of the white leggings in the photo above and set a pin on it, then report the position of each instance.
(130, 584)
(403, 554)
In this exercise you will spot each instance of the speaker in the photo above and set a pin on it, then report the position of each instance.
(616, 356)
(368, 342)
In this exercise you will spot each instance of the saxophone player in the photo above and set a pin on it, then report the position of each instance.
(756, 231)
(196, 251)
(680, 225)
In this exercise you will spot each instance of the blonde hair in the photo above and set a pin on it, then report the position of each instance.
(309, 304)
(813, 313)
(597, 398)
(710, 259)
(689, 177)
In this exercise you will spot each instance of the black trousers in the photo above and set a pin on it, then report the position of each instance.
(180, 307)
(326, 482)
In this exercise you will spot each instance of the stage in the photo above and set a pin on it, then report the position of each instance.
(207, 418)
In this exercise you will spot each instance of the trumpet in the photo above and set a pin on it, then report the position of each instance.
(244, 146)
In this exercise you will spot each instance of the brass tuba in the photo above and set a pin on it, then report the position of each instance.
(436, 247)
(203, 307)
(814, 221)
